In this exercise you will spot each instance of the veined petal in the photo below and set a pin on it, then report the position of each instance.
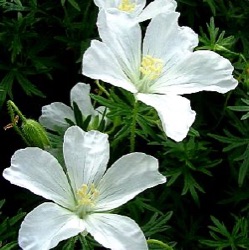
(100, 111)
(80, 95)
(114, 5)
(127, 177)
(156, 7)
(106, 4)
(47, 225)
(99, 62)
(198, 71)
(86, 155)
(38, 171)
(174, 111)
(53, 116)
(115, 232)
(164, 39)
(139, 5)
(123, 40)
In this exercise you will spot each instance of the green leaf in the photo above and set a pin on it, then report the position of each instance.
(6, 87)
(9, 246)
(28, 87)
(243, 171)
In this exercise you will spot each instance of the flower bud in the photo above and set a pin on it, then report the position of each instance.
(35, 134)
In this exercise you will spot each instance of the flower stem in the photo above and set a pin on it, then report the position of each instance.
(13, 110)
(102, 88)
(84, 242)
(133, 127)
(160, 243)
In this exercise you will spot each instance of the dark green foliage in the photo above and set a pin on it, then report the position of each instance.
(223, 238)
(8, 229)
(30, 32)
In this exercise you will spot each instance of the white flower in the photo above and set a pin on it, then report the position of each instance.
(160, 70)
(53, 115)
(84, 194)
(135, 8)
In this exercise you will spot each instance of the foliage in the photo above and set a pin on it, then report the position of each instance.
(237, 238)
(27, 45)
(8, 229)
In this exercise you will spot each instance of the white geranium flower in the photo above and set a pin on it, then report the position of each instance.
(135, 8)
(53, 115)
(83, 196)
(159, 71)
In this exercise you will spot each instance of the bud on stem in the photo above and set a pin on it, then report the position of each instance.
(31, 131)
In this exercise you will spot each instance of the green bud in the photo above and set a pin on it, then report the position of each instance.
(35, 134)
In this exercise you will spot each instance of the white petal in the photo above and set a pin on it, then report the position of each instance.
(174, 111)
(80, 95)
(47, 225)
(100, 111)
(107, 4)
(114, 5)
(102, 3)
(198, 71)
(86, 155)
(38, 171)
(116, 232)
(139, 5)
(53, 116)
(127, 177)
(123, 40)
(164, 39)
(99, 62)
(156, 7)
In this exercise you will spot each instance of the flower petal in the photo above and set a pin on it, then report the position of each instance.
(198, 71)
(157, 7)
(127, 177)
(123, 40)
(99, 62)
(116, 232)
(165, 40)
(38, 171)
(53, 116)
(107, 5)
(174, 111)
(47, 225)
(80, 95)
(86, 155)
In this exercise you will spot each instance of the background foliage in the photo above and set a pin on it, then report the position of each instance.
(204, 204)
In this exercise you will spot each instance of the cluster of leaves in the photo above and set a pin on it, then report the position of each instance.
(208, 172)
(8, 229)
(29, 38)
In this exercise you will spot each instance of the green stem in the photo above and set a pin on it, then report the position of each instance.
(160, 243)
(133, 127)
(13, 111)
(84, 242)
(102, 88)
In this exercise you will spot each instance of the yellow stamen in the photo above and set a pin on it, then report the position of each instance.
(127, 6)
(87, 195)
(151, 67)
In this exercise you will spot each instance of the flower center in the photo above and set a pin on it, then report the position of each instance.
(126, 5)
(87, 196)
(151, 67)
